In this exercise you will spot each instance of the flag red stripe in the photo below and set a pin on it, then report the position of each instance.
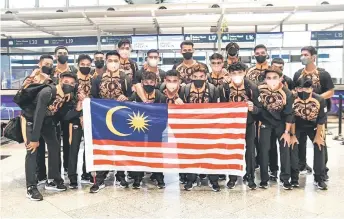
(208, 105)
(207, 116)
(168, 145)
(213, 125)
(210, 136)
(168, 155)
(170, 166)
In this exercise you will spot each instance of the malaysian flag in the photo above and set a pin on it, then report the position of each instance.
(189, 138)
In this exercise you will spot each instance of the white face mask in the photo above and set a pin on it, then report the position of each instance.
(124, 53)
(153, 62)
(237, 79)
(172, 87)
(112, 66)
(216, 68)
(273, 84)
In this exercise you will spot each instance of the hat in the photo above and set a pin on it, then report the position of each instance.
(304, 83)
(68, 74)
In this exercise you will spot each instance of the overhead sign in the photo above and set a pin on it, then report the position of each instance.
(53, 41)
(238, 37)
(327, 35)
(170, 41)
(201, 38)
(144, 42)
(270, 39)
(4, 42)
(112, 40)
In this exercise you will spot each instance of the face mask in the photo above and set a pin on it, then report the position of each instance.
(153, 62)
(198, 83)
(237, 79)
(232, 51)
(260, 59)
(112, 66)
(124, 53)
(62, 59)
(85, 70)
(216, 68)
(187, 55)
(303, 95)
(47, 70)
(99, 63)
(149, 88)
(172, 87)
(273, 84)
(67, 89)
(305, 60)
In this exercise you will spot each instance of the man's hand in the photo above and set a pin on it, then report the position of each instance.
(250, 106)
(79, 106)
(319, 141)
(183, 84)
(122, 98)
(82, 121)
(32, 146)
(286, 138)
(179, 101)
(293, 141)
(81, 96)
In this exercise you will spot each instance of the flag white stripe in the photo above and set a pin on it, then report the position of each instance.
(207, 131)
(206, 141)
(168, 160)
(169, 150)
(207, 121)
(208, 110)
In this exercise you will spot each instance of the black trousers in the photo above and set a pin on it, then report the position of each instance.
(41, 169)
(273, 154)
(319, 161)
(264, 148)
(66, 144)
(75, 140)
(48, 132)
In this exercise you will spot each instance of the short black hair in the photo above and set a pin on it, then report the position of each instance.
(152, 51)
(112, 53)
(216, 56)
(83, 57)
(123, 42)
(239, 66)
(232, 44)
(277, 61)
(273, 69)
(98, 52)
(147, 75)
(187, 43)
(68, 74)
(45, 57)
(60, 47)
(199, 68)
(310, 49)
(260, 46)
(172, 73)
(304, 82)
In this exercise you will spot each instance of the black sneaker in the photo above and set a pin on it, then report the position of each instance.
(263, 185)
(231, 184)
(55, 186)
(215, 186)
(326, 177)
(295, 184)
(245, 178)
(86, 178)
(222, 177)
(73, 185)
(153, 177)
(137, 183)
(96, 188)
(33, 194)
(160, 181)
(189, 185)
(273, 176)
(65, 171)
(122, 182)
(286, 185)
(202, 176)
(182, 179)
(41, 181)
(321, 185)
(309, 169)
(251, 184)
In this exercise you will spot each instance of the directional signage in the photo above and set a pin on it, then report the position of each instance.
(270, 39)
(201, 38)
(144, 42)
(238, 37)
(4, 42)
(112, 40)
(170, 41)
(327, 35)
(54, 41)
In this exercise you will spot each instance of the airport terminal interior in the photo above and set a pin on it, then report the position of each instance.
(31, 28)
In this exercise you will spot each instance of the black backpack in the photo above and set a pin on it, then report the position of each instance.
(13, 130)
(24, 97)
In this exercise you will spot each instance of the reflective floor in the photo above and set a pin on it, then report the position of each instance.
(173, 202)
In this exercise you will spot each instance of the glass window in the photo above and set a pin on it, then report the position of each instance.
(49, 3)
(82, 3)
(112, 2)
(2, 4)
(22, 4)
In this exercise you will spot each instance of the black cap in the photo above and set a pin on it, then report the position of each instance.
(304, 83)
(68, 74)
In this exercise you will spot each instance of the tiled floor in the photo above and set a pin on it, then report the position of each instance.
(173, 202)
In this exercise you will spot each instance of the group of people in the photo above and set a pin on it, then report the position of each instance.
(279, 109)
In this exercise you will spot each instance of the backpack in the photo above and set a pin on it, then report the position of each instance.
(13, 130)
(185, 91)
(24, 97)
(247, 90)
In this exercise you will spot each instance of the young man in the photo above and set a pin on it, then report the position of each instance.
(73, 117)
(232, 50)
(310, 118)
(198, 91)
(171, 88)
(185, 68)
(218, 75)
(276, 118)
(256, 73)
(38, 121)
(322, 85)
(277, 63)
(110, 85)
(242, 90)
(128, 66)
(153, 95)
(99, 64)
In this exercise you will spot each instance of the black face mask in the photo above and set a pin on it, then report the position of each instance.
(85, 70)
(62, 59)
(198, 83)
(67, 89)
(149, 88)
(47, 70)
(260, 59)
(187, 55)
(232, 51)
(99, 63)
(303, 95)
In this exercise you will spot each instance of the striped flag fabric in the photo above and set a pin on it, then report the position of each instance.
(189, 138)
